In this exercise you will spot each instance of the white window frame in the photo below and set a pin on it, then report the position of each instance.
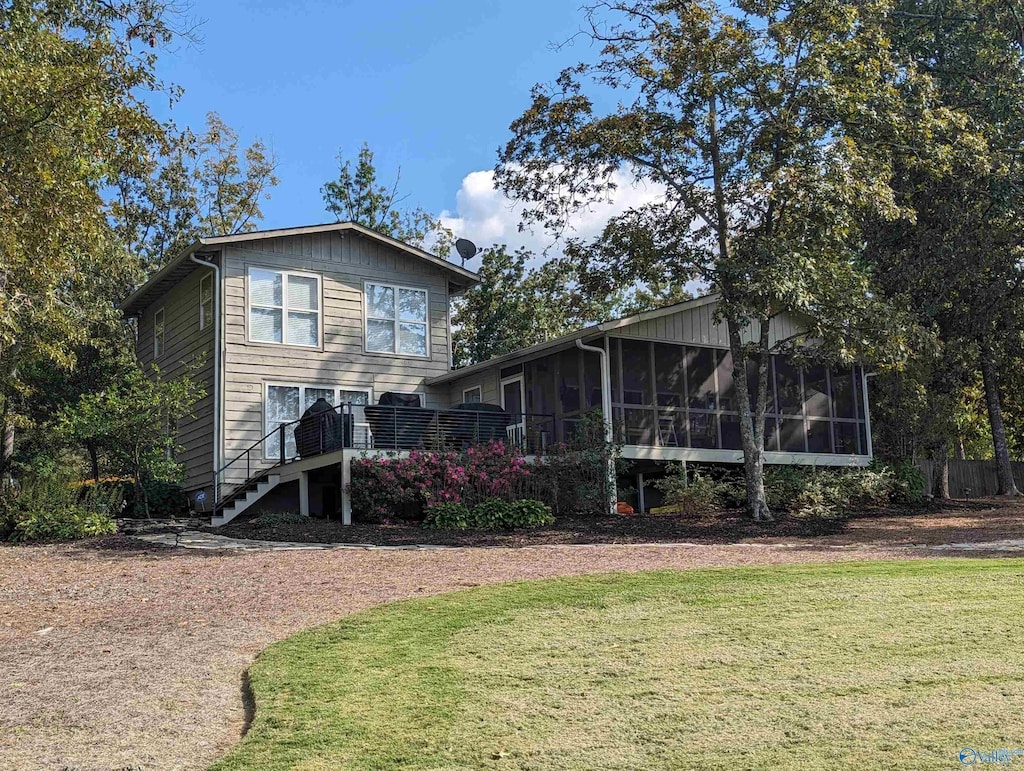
(205, 305)
(478, 387)
(159, 333)
(397, 321)
(285, 274)
(267, 385)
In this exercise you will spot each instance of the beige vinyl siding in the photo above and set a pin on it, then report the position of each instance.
(184, 343)
(490, 388)
(344, 262)
(698, 327)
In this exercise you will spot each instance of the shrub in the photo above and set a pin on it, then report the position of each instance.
(166, 499)
(530, 513)
(832, 493)
(65, 524)
(489, 514)
(448, 516)
(573, 475)
(394, 485)
(691, 493)
(51, 508)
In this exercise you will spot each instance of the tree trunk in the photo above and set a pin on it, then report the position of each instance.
(752, 424)
(940, 487)
(990, 376)
(961, 452)
(94, 460)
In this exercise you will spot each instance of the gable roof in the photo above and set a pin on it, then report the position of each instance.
(572, 337)
(179, 267)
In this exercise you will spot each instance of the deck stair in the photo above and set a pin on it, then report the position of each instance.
(244, 497)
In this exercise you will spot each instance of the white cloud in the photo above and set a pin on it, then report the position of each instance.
(486, 216)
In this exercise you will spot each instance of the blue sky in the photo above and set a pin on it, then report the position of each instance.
(431, 86)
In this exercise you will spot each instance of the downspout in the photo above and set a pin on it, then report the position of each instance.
(606, 409)
(216, 375)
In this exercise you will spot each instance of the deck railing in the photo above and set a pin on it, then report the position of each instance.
(380, 427)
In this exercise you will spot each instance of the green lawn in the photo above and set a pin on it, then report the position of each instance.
(825, 666)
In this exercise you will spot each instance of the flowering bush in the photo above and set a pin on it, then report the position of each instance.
(403, 486)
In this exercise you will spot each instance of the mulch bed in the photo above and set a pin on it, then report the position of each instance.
(718, 528)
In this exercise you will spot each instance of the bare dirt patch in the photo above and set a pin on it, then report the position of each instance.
(118, 653)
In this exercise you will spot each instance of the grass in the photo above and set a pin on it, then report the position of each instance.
(849, 665)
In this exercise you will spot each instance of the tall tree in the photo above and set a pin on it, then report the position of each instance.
(956, 258)
(195, 186)
(74, 123)
(738, 111)
(357, 196)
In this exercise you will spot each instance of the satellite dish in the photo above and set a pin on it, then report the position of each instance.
(467, 249)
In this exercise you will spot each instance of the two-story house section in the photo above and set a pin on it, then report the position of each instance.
(281, 318)
(320, 343)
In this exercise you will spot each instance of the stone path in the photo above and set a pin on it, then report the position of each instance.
(194, 539)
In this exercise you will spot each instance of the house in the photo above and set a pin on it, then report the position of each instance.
(276, 320)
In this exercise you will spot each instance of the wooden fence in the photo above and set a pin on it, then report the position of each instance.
(969, 478)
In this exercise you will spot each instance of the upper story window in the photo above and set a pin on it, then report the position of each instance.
(473, 395)
(158, 333)
(284, 307)
(396, 320)
(205, 301)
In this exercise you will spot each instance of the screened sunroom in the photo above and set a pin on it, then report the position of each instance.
(674, 396)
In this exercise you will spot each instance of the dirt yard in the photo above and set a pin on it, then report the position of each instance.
(120, 654)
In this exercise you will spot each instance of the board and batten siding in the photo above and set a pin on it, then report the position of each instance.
(697, 326)
(184, 344)
(344, 262)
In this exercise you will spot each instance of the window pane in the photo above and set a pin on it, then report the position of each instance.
(671, 428)
(727, 400)
(771, 434)
(591, 380)
(472, 396)
(700, 374)
(819, 436)
(703, 430)
(816, 392)
(265, 325)
(846, 438)
(282, 407)
(312, 394)
(412, 304)
(613, 358)
(639, 427)
(669, 374)
(380, 301)
(353, 397)
(303, 329)
(380, 336)
(842, 394)
(636, 372)
(569, 381)
(302, 293)
(413, 339)
(206, 315)
(791, 437)
(264, 287)
(731, 439)
(787, 387)
(540, 387)
(206, 290)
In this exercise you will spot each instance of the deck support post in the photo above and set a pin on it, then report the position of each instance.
(346, 480)
(304, 493)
